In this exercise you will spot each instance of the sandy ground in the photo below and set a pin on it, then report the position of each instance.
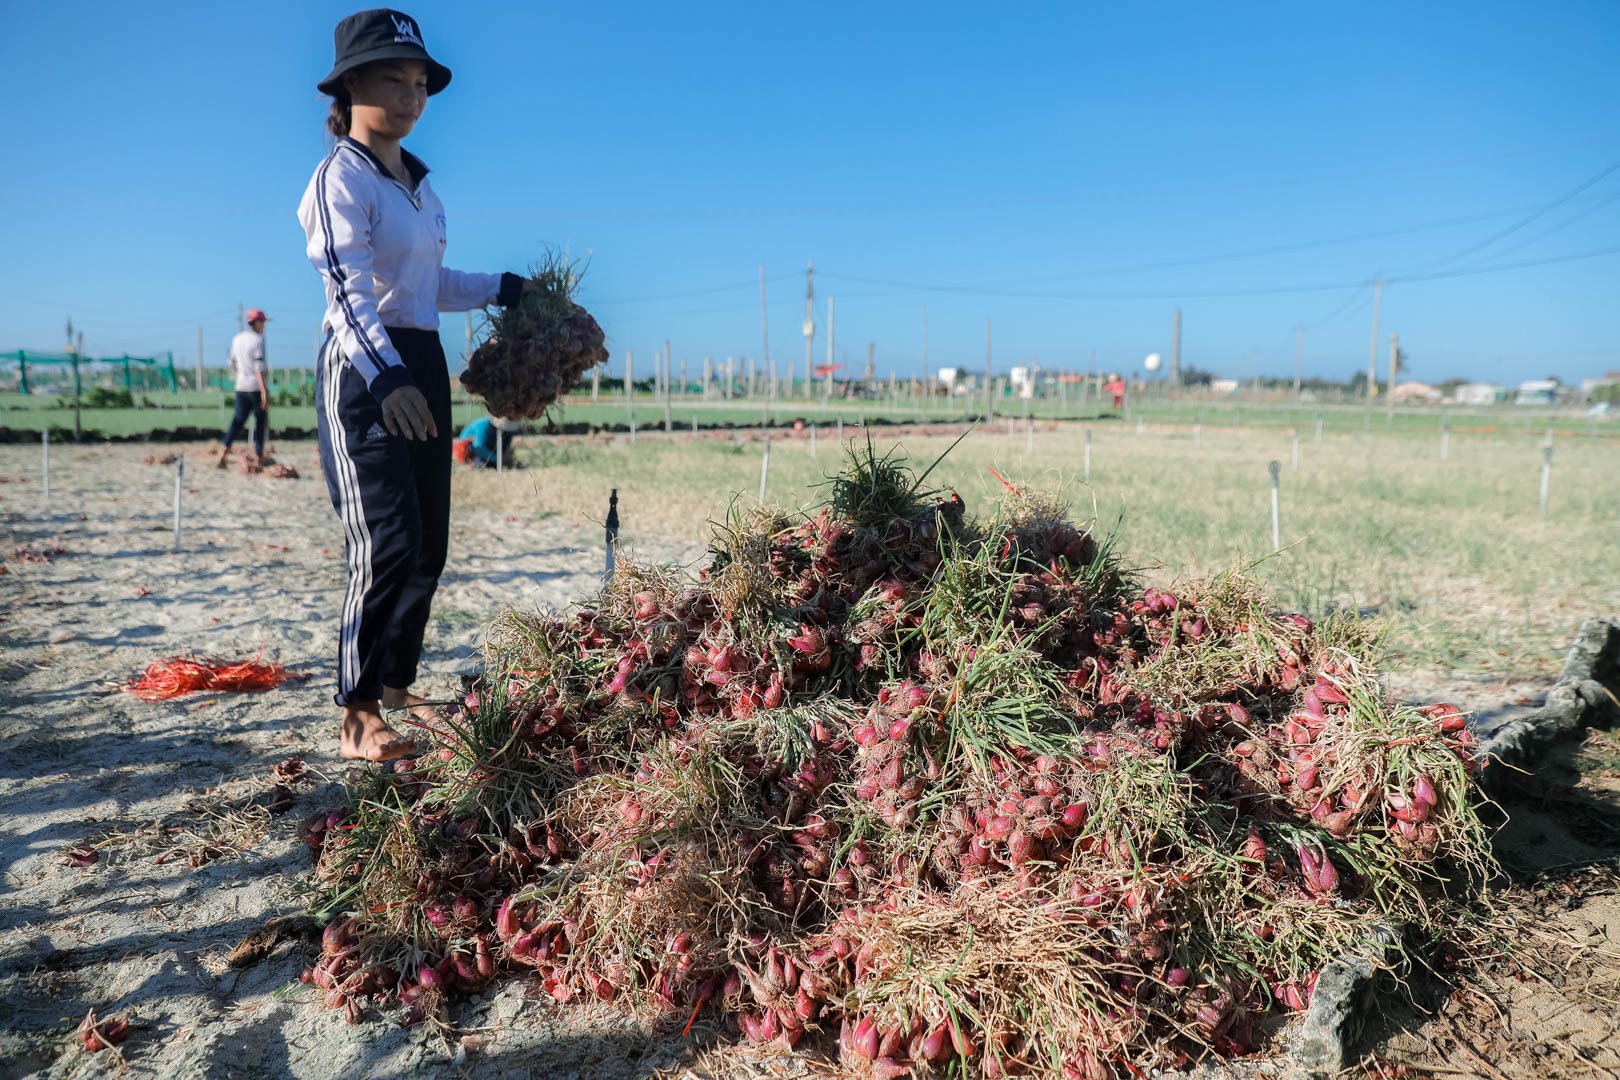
(84, 763)
(173, 800)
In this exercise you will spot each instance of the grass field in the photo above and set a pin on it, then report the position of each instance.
(211, 410)
(1454, 553)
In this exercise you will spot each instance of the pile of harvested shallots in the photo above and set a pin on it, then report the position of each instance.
(538, 348)
(924, 792)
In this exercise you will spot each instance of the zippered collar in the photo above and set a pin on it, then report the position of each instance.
(413, 165)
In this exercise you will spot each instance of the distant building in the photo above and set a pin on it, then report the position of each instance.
(1478, 393)
(1589, 387)
(1537, 392)
(1408, 393)
(1223, 386)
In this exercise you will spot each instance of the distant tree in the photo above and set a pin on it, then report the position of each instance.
(1357, 383)
(1192, 376)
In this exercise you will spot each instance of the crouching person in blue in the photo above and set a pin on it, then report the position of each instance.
(489, 442)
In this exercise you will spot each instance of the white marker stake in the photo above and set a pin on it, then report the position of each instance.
(1029, 435)
(500, 452)
(179, 489)
(1139, 425)
(1276, 508)
(1318, 427)
(812, 440)
(765, 470)
(840, 429)
(1445, 440)
(45, 443)
(630, 393)
(1546, 477)
(1294, 435)
(1088, 455)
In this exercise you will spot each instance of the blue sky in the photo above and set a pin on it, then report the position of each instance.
(1074, 172)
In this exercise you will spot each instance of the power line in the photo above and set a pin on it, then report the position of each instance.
(1270, 290)
(1277, 249)
(1498, 267)
(1561, 226)
(1355, 300)
(750, 285)
(1538, 213)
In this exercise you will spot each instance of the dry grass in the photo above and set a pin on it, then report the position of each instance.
(1452, 555)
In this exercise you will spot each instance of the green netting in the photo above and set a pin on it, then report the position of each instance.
(138, 373)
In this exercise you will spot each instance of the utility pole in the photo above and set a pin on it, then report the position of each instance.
(73, 356)
(832, 334)
(809, 328)
(765, 343)
(925, 347)
(989, 406)
(240, 325)
(1372, 344)
(871, 366)
(1299, 356)
(199, 385)
(1394, 365)
(1175, 352)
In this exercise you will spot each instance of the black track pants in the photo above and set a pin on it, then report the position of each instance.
(248, 403)
(392, 495)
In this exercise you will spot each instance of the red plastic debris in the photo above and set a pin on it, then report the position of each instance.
(176, 675)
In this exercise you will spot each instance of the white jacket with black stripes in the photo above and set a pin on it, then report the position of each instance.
(379, 245)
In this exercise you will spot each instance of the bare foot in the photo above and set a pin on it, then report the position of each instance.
(367, 736)
(419, 708)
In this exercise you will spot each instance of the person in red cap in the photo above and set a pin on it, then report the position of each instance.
(252, 388)
(375, 230)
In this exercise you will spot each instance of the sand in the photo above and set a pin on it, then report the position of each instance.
(82, 762)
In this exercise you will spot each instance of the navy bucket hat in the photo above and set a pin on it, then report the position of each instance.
(380, 34)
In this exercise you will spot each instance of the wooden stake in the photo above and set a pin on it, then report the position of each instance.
(1276, 510)
(765, 470)
(630, 391)
(179, 488)
(1546, 478)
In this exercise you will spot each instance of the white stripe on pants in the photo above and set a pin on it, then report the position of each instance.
(357, 536)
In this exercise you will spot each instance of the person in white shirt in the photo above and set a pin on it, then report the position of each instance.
(376, 232)
(252, 387)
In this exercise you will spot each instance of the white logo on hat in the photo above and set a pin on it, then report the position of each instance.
(404, 30)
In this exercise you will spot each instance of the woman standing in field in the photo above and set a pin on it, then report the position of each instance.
(376, 233)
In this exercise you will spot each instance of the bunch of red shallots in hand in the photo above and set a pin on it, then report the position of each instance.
(538, 348)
